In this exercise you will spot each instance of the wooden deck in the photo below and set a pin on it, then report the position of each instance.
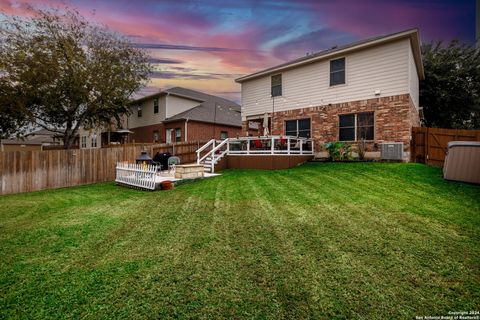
(269, 153)
(263, 162)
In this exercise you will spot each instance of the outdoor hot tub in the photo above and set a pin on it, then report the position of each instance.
(462, 162)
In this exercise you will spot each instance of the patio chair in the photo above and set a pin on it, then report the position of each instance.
(258, 144)
(172, 162)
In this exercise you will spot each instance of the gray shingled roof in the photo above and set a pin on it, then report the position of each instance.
(228, 112)
(320, 54)
(20, 142)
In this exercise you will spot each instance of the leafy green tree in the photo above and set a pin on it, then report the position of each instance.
(450, 93)
(13, 114)
(58, 71)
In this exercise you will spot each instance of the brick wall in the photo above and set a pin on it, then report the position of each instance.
(197, 131)
(145, 134)
(394, 117)
(201, 131)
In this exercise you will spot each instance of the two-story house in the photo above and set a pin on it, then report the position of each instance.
(365, 90)
(179, 114)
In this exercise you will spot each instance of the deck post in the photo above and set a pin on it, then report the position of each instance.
(248, 146)
(272, 147)
(288, 145)
(301, 147)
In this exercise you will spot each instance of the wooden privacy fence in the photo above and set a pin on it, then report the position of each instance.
(429, 144)
(25, 171)
(186, 151)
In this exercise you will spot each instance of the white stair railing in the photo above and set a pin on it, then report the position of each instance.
(206, 145)
(212, 153)
(216, 158)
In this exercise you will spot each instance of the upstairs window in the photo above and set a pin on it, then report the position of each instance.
(276, 85)
(337, 71)
(155, 105)
(356, 126)
(139, 112)
(298, 128)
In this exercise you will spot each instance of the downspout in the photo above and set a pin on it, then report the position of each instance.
(186, 130)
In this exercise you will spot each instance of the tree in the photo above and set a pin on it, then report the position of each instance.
(60, 72)
(450, 93)
(13, 114)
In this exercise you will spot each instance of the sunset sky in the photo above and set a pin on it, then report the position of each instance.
(205, 45)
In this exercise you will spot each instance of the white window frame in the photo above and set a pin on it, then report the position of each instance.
(178, 138)
(278, 85)
(355, 127)
(297, 120)
(83, 142)
(94, 141)
(330, 73)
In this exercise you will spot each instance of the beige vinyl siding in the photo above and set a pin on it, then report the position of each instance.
(413, 79)
(88, 134)
(384, 68)
(176, 105)
(148, 117)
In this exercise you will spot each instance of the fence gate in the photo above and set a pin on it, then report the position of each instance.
(429, 144)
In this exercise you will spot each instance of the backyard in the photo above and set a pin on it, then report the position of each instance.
(324, 240)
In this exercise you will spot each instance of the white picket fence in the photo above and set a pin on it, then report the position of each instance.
(136, 175)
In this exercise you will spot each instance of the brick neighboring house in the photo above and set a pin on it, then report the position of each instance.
(368, 89)
(180, 114)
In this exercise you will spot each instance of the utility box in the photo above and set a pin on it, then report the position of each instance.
(391, 150)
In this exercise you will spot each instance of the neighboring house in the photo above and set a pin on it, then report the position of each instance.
(45, 137)
(34, 141)
(89, 139)
(180, 114)
(368, 89)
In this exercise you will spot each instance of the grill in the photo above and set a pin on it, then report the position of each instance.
(162, 159)
(144, 159)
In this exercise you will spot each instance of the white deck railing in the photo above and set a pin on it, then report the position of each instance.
(136, 175)
(272, 145)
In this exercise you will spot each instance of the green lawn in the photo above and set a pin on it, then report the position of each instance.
(324, 240)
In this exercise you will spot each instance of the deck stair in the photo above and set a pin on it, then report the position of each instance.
(215, 151)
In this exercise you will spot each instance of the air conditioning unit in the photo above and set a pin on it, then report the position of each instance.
(391, 151)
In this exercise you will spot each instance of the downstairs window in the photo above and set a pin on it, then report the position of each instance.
(356, 126)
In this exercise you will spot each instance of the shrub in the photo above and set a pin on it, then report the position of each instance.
(361, 149)
(338, 150)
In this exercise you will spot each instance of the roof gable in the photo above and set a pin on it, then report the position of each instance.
(411, 34)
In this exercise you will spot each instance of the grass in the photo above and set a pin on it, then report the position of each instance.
(324, 240)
